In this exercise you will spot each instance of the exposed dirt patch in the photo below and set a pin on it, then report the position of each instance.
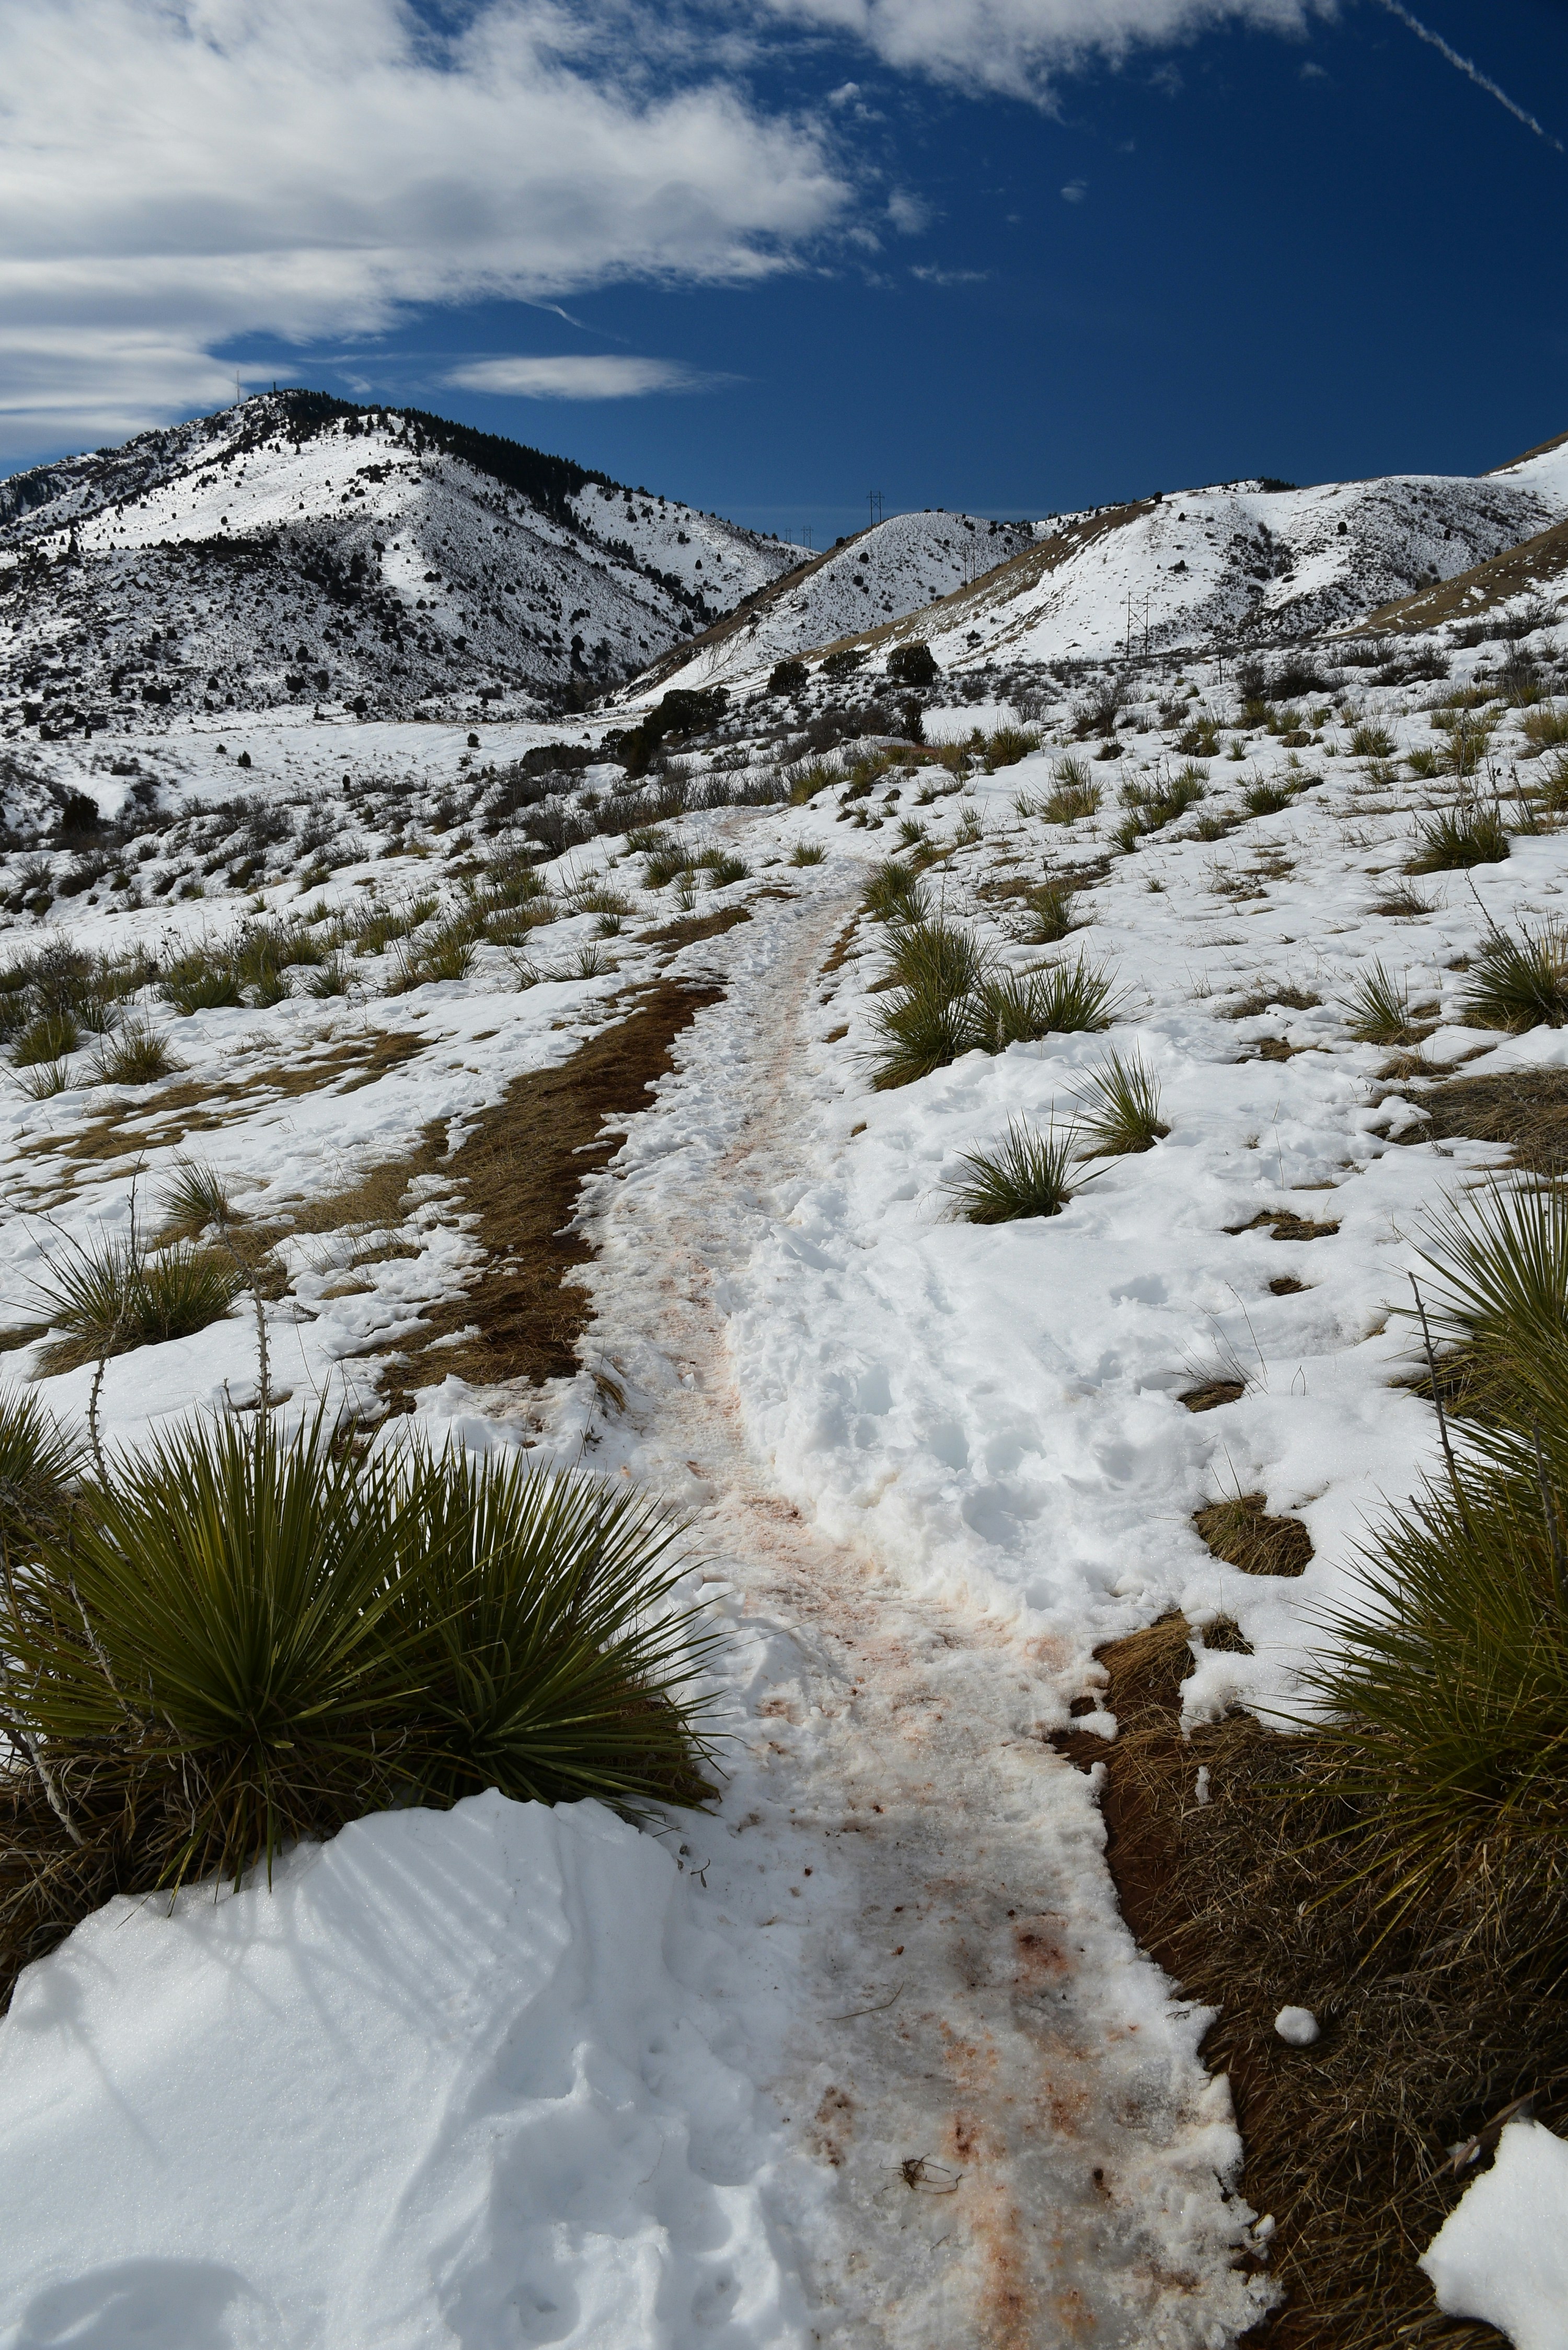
(690, 927)
(1283, 1225)
(1227, 1882)
(518, 1174)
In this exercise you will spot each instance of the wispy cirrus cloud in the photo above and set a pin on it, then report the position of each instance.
(1025, 47)
(583, 376)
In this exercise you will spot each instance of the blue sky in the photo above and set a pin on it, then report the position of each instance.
(1050, 252)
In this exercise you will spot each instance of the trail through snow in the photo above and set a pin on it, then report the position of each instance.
(1027, 2149)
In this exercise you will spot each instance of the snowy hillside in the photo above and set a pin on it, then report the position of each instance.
(295, 552)
(895, 568)
(866, 2054)
(1240, 565)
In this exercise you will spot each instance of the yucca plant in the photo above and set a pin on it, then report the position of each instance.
(1120, 1106)
(198, 981)
(108, 1294)
(1496, 1287)
(1370, 742)
(1378, 1008)
(893, 894)
(1075, 999)
(1028, 1174)
(1446, 1690)
(41, 1080)
(807, 852)
(1471, 832)
(936, 954)
(724, 870)
(920, 1029)
(333, 978)
(243, 1636)
(49, 1037)
(37, 1466)
(1075, 794)
(1546, 727)
(138, 1056)
(192, 1196)
(1050, 913)
(1519, 982)
(1267, 798)
(1009, 1009)
(1011, 743)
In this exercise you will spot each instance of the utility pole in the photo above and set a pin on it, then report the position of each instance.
(874, 506)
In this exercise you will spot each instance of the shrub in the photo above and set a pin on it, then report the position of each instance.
(665, 864)
(138, 1056)
(787, 677)
(1371, 742)
(1378, 1008)
(1519, 982)
(1464, 748)
(1029, 1174)
(251, 1637)
(724, 870)
(1120, 1101)
(1497, 1288)
(930, 1019)
(1076, 793)
(913, 664)
(1553, 784)
(1471, 832)
(803, 783)
(332, 979)
(807, 852)
(109, 1295)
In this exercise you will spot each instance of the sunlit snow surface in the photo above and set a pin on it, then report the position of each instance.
(930, 1466)
(455, 2079)
(1503, 2254)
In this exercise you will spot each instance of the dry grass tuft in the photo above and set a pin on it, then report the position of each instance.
(1240, 1531)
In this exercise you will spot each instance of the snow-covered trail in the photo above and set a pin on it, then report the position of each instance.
(1026, 2150)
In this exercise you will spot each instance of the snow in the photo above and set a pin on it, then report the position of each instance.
(454, 2079)
(228, 565)
(929, 1468)
(1501, 2255)
(1298, 2027)
(880, 573)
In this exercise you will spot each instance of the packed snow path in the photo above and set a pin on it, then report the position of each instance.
(1027, 2150)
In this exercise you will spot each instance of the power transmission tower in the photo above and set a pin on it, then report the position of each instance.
(874, 506)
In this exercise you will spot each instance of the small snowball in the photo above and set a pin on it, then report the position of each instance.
(1297, 2026)
(1201, 1791)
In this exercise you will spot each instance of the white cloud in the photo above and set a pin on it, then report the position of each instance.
(176, 172)
(1074, 191)
(582, 377)
(1022, 46)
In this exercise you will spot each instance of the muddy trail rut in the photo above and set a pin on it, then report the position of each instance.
(1023, 2144)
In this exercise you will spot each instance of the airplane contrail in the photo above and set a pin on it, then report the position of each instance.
(1471, 71)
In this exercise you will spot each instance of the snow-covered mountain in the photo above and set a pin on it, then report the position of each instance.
(294, 549)
(865, 582)
(1239, 563)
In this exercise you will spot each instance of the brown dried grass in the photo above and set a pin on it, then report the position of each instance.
(1425, 2041)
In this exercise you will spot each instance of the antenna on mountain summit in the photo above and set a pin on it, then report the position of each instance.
(873, 501)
